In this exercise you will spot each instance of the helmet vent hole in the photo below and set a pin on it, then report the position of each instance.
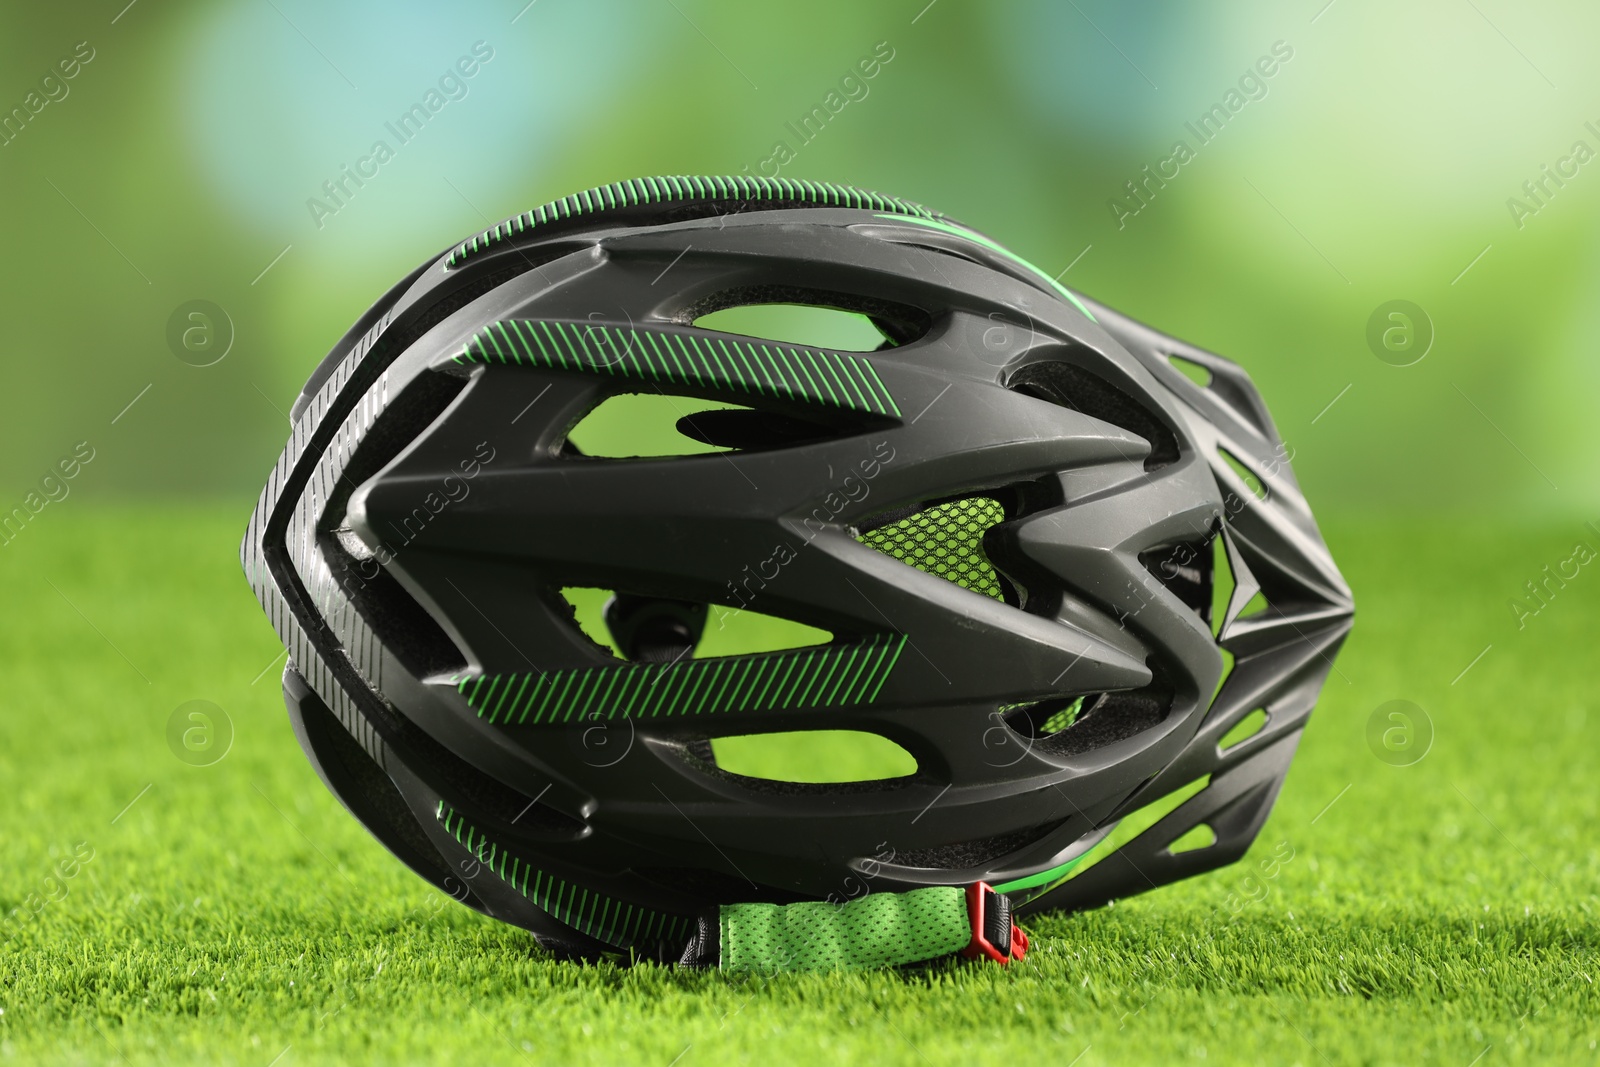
(398, 620)
(798, 324)
(1186, 570)
(1195, 372)
(1199, 836)
(639, 425)
(1223, 588)
(1137, 822)
(1078, 389)
(811, 756)
(413, 635)
(746, 430)
(1243, 730)
(655, 425)
(1251, 480)
(651, 629)
(945, 540)
(1071, 726)
(1043, 718)
(842, 322)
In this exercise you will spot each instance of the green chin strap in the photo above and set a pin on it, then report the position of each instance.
(875, 931)
(879, 930)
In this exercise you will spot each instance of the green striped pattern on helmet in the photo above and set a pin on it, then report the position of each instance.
(638, 191)
(804, 678)
(602, 918)
(719, 362)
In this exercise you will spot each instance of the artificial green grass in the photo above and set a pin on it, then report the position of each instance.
(1434, 913)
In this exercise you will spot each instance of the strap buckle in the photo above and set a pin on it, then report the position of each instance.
(994, 935)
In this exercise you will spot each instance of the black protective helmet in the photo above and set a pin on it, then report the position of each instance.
(1037, 532)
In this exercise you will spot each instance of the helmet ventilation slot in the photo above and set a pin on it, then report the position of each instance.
(744, 429)
(640, 425)
(1044, 718)
(1198, 836)
(1195, 372)
(813, 325)
(802, 763)
(1098, 721)
(649, 629)
(1243, 730)
(813, 756)
(1078, 389)
(1224, 586)
(841, 322)
(650, 425)
(396, 618)
(1249, 477)
(1186, 570)
(1141, 821)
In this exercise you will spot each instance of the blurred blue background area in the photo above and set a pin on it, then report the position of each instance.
(1381, 159)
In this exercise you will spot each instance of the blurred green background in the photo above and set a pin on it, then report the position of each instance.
(1377, 166)
(1443, 908)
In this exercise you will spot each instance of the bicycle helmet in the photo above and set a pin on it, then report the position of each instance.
(1057, 557)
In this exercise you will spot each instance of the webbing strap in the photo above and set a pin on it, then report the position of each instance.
(878, 930)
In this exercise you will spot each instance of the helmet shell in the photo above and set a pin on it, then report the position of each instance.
(1014, 514)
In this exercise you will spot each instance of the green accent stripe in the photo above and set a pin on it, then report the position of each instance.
(1039, 879)
(721, 362)
(979, 239)
(692, 687)
(572, 904)
(633, 193)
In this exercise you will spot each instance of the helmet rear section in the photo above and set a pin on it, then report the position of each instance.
(1057, 558)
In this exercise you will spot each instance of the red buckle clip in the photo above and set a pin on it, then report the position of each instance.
(978, 894)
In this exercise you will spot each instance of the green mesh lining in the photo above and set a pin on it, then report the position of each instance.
(602, 918)
(879, 930)
(1063, 718)
(1059, 720)
(946, 541)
